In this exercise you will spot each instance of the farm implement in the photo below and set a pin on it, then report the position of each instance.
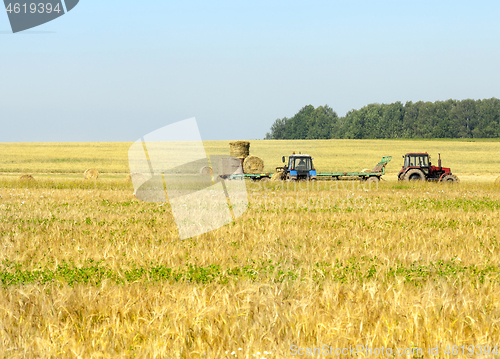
(371, 176)
(301, 167)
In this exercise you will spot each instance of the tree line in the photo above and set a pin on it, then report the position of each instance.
(440, 119)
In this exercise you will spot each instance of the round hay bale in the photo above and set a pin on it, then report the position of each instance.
(91, 174)
(135, 177)
(26, 178)
(276, 176)
(240, 149)
(366, 170)
(253, 164)
(206, 171)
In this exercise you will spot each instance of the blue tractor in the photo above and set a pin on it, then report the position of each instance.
(300, 167)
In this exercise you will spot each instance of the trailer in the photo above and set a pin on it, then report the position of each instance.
(372, 176)
(252, 176)
(300, 167)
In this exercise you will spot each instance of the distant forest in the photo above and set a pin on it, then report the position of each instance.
(440, 119)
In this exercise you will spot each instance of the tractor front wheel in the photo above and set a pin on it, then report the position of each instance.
(449, 179)
(414, 175)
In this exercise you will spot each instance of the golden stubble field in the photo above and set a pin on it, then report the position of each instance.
(466, 158)
(88, 271)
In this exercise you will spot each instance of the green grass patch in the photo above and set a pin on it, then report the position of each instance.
(355, 269)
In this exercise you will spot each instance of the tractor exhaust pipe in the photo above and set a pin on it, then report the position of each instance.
(439, 161)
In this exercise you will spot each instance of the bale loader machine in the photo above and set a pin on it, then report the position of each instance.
(301, 167)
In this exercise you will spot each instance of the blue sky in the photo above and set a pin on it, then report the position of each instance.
(116, 70)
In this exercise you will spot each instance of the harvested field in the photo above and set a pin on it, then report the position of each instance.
(466, 157)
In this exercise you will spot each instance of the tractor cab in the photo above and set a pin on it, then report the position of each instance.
(300, 166)
(300, 163)
(418, 160)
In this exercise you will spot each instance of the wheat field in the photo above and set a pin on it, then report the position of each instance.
(88, 271)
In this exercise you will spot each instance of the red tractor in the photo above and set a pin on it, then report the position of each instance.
(418, 167)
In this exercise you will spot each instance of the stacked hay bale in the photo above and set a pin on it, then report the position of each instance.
(253, 164)
(239, 149)
(26, 178)
(250, 164)
(91, 174)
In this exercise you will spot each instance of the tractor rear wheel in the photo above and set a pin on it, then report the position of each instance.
(415, 175)
(449, 179)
